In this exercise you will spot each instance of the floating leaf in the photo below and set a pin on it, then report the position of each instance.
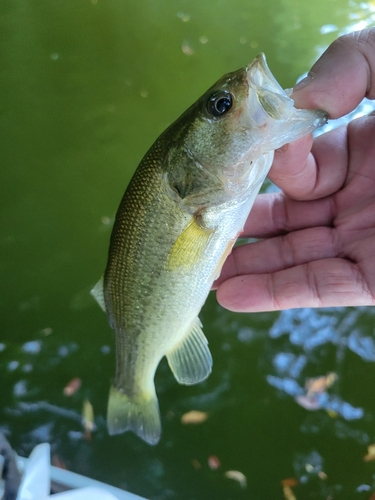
(72, 387)
(194, 417)
(320, 384)
(290, 481)
(88, 419)
(370, 453)
(316, 388)
(236, 475)
(213, 462)
(288, 493)
(287, 485)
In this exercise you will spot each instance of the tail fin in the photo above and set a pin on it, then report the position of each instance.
(139, 414)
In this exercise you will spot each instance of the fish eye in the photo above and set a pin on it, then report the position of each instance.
(219, 103)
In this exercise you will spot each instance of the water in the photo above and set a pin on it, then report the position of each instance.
(86, 87)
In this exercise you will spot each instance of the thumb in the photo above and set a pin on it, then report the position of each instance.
(341, 77)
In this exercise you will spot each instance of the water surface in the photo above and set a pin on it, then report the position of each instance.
(86, 87)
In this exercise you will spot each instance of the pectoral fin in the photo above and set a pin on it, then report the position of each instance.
(190, 360)
(190, 246)
(98, 293)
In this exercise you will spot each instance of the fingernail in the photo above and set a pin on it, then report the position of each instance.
(302, 83)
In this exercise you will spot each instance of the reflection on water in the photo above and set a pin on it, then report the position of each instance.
(361, 17)
(87, 87)
(312, 330)
(323, 356)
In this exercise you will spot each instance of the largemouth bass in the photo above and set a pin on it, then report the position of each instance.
(177, 222)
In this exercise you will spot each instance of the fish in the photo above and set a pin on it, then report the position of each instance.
(178, 220)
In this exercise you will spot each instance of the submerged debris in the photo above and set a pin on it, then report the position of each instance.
(287, 485)
(288, 493)
(213, 462)
(72, 386)
(194, 417)
(320, 384)
(88, 419)
(370, 453)
(316, 396)
(238, 476)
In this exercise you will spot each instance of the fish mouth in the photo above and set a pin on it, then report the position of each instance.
(272, 111)
(264, 87)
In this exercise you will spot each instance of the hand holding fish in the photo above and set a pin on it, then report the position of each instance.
(319, 233)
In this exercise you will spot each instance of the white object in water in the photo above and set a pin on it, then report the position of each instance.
(35, 484)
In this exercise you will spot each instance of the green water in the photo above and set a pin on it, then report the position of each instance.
(85, 88)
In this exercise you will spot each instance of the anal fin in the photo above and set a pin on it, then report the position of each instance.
(190, 360)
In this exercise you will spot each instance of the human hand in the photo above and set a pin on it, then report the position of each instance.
(319, 233)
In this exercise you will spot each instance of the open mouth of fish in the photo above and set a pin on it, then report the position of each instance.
(270, 107)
